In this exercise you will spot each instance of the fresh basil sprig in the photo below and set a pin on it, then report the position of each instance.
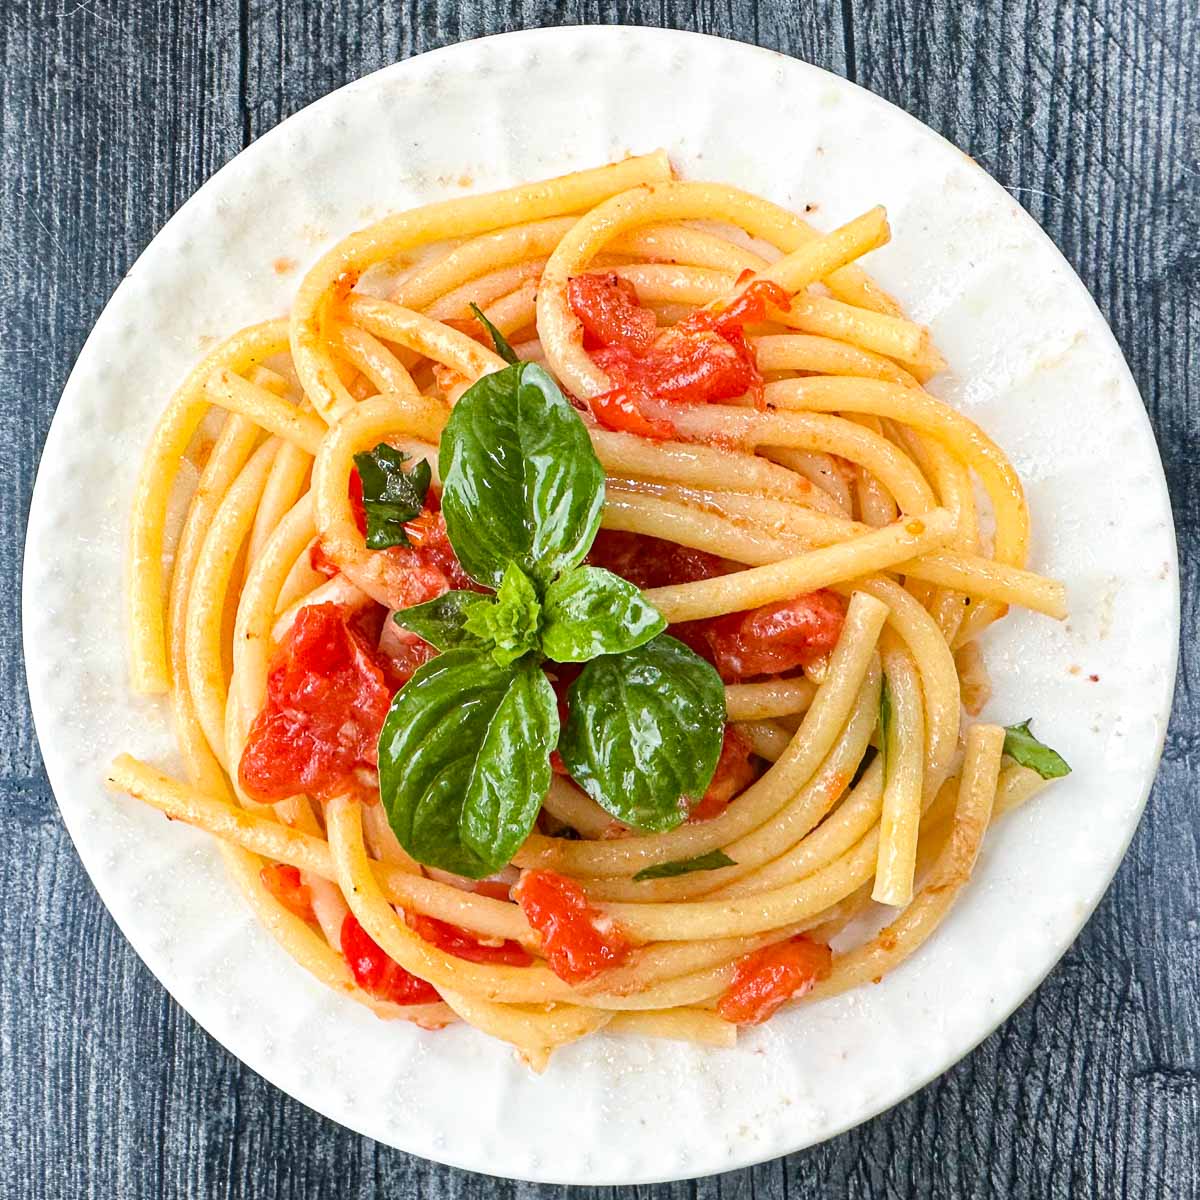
(1023, 748)
(508, 625)
(391, 495)
(464, 753)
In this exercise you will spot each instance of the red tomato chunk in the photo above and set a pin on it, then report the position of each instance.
(768, 640)
(607, 307)
(769, 978)
(735, 772)
(578, 941)
(462, 944)
(376, 973)
(284, 883)
(702, 359)
(328, 692)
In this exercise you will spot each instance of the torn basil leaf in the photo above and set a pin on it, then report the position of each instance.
(1024, 749)
(391, 495)
(714, 860)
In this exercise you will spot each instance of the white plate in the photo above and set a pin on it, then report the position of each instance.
(1032, 361)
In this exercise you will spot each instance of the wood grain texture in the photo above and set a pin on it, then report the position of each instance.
(111, 115)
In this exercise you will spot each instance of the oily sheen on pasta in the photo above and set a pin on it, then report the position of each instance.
(574, 621)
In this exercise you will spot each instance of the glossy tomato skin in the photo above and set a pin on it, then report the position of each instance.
(608, 309)
(735, 772)
(285, 884)
(768, 978)
(328, 692)
(460, 943)
(619, 409)
(376, 973)
(702, 359)
(683, 368)
(770, 640)
(578, 942)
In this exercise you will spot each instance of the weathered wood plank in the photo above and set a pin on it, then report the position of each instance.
(112, 117)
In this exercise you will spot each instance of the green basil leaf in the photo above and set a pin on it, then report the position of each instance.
(391, 495)
(590, 611)
(885, 726)
(508, 625)
(714, 860)
(521, 482)
(428, 749)
(503, 349)
(644, 731)
(512, 770)
(1021, 746)
(440, 622)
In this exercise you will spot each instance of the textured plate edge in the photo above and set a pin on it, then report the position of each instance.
(569, 35)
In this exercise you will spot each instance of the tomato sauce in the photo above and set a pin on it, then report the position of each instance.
(578, 941)
(460, 943)
(285, 884)
(768, 978)
(702, 359)
(378, 974)
(328, 692)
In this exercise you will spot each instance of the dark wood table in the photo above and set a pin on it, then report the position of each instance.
(113, 114)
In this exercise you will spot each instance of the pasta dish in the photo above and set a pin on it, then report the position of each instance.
(570, 614)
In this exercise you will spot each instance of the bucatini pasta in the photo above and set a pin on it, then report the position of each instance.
(604, 682)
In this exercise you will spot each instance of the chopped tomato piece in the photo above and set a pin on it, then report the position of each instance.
(578, 941)
(284, 883)
(735, 772)
(652, 562)
(328, 692)
(378, 974)
(684, 367)
(749, 308)
(620, 411)
(768, 640)
(703, 358)
(461, 944)
(607, 307)
(770, 977)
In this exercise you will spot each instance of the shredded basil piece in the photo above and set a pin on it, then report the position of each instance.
(714, 860)
(1023, 748)
(503, 349)
(391, 495)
